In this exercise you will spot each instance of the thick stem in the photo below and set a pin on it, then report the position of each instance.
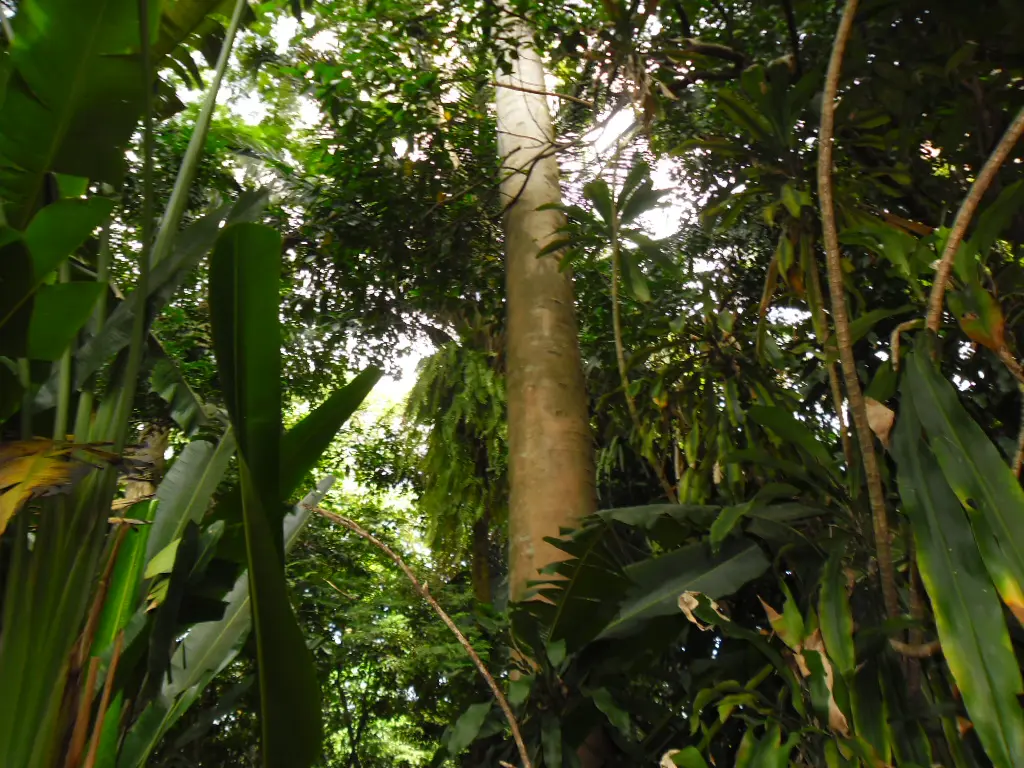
(425, 594)
(551, 458)
(964, 216)
(481, 566)
(865, 438)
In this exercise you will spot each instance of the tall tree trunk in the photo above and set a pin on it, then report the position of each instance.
(551, 459)
(481, 566)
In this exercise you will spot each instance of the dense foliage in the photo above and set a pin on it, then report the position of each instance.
(810, 549)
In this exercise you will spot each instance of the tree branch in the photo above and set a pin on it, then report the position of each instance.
(964, 216)
(425, 594)
(538, 92)
(855, 395)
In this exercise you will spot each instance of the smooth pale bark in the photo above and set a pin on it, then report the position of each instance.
(551, 458)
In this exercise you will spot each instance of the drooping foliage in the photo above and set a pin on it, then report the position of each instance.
(744, 625)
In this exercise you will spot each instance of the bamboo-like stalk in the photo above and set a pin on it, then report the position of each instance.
(837, 292)
(353, 526)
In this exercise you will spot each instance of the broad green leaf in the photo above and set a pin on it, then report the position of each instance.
(187, 489)
(73, 98)
(166, 380)
(551, 740)
(860, 326)
(996, 217)
(190, 246)
(688, 757)
(644, 199)
(17, 286)
(304, 443)
(123, 592)
(163, 635)
(633, 277)
(61, 227)
(868, 709)
(519, 689)
(58, 313)
(556, 652)
(206, 650)
(969, 619)
(978, 475)
(467, 727)
(783, 423)
(660, 580)
(726, 522)
(600, 196)
(163, 561)
(791, 201)
(834, 615)
(616, 715)
(245, 272)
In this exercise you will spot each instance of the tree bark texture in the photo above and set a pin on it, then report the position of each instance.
(481, 566)
(551, 459)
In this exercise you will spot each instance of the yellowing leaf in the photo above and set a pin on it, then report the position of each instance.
(880, 419)
(38, 467)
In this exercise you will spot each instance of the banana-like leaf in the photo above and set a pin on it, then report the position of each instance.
(29, 258)
(304, 443)
(190, 246)
(58, 313)
(978, 475)
(660, 580)
(123, 592)
(245, 274)
(968, 616)
(166, 380)
(73, 96)
(206, 650)
(186, 490)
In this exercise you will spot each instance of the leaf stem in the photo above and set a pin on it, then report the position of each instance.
(126, 395)
(190, 163)
(353, 526)
(964, 216)
(837, 292)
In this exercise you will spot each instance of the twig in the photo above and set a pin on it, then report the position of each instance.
(538, 92)
(964, 216)
(425, 594)
(876, 495)
(915, 650)
(894, 340)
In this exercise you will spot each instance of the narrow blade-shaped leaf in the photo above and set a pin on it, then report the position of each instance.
(968, 616)
(244, 305)
(978, 475)
(304, 443)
